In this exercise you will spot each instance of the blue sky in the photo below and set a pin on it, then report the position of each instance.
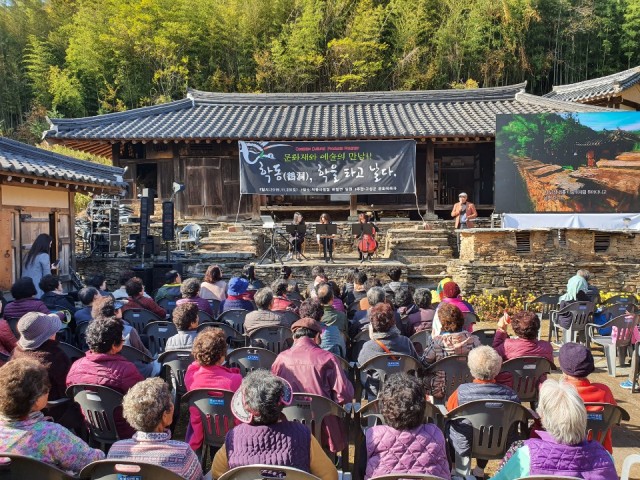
(610, 121)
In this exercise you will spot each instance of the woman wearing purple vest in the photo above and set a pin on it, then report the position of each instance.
(264, 436)
(562, 448)
(406, 444)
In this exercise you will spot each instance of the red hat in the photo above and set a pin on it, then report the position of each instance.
(451, 290)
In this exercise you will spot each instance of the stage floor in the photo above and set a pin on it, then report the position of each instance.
(345, 262)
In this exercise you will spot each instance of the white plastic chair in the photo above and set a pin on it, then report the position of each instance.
(626, 466)
(189, 234)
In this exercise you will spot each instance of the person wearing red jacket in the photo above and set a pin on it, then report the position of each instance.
(135, 290)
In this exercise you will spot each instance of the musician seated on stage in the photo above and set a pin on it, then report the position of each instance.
(296, 239)
(366, 244)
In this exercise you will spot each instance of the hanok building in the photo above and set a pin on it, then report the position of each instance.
(195, 141)
(620, 90)
(37, 190)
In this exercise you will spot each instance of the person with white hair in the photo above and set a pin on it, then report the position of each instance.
(484, 364)
(562, 448)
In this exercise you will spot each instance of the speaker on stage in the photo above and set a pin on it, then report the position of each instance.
(168, 223)
(146, 275)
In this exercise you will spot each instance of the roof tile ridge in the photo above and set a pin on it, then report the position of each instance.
(551, 102)
(613, 77)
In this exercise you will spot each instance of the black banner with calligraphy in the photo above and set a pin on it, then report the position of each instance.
(324, 168)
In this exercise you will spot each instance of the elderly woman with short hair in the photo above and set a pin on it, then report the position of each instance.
(190, 289)
(148, 408)
(422, 298)
(264, 436)
(24, 430)
(562, 448)
(209, 351)
(484, 365)
(264, 316)
(453, 340)
(405, 443)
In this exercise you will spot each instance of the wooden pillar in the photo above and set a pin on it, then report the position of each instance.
(353, 205)
(256, 203)
(430, 204)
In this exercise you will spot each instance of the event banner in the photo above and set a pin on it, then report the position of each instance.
(568, 163)
(319, 168)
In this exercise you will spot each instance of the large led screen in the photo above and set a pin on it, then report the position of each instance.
(568, 162)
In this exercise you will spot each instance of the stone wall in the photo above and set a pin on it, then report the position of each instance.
(488, 259)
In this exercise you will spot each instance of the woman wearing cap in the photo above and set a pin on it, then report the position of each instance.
(209, 352)
(464, 212)
(264, 436)
(24, 430)
(236, 296)
(102, 365)
(576, 363)
(148, 408)
(451, 295)
(38, 341)
(212, 286)
(562, 448)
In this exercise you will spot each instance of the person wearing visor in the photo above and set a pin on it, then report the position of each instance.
(265, 436)
(464, 212)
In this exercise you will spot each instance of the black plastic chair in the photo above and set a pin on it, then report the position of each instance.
(602, 417)
(614, 349)
(27, 468)
(139, 317)
(13, 325)
(373, 373)
(275, 339)
(549, 302)
(158, 333)
(134, 355)
(234, 318)
(120, 469)
(486, 336)
(624, 299)
(266, 472)
(470, 319)
(234, 338)
(422, 339)
(456, 372)
(248, 359)
(525, 373)
(70, 351)
(81, 336)
(495, 423)
(214, 407)
(215, 306)
(581, 314)
(288, 317)
(311, 410)
(204, 317)
(358, 341)
(347, 368)
(98, 404)
(169, 304)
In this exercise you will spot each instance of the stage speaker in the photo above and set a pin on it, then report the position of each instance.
(168, 223)
(146, 275)
(160, 269)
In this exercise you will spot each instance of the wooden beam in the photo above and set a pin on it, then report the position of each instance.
(353, 205)
(631, 103)
(430, 177)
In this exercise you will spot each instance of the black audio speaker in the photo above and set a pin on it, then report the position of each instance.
(168, 226)
(146, 210)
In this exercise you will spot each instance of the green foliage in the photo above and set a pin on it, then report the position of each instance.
(84, 57)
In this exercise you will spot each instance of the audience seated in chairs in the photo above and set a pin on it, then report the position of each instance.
(212, 286)
(526, 326)
(148, 408)
(361, 320)
(410, 315)
(103, 366)
(185, 318)
(121, 293)
(332, 339)
(452, 341)
(255, 284)
(236, 296)
(87, 296)
(53, 296)
(136, 298)
(484, 363)
(279, 289)
(38, 341)
(576, 363)
(264, 436)
(23, 292)
(562, 448)
(422, 298)
(451, 292)
(8, 340)
(310, 369)
(264, 316)
(24, 430)
(171, 288)
(209, 351)
(331, 315)
(106, 307)
(395, 273)
(190, 289)
(99, 282)
(337, 304)
(405, 444)
(357, 292)
(577, 288)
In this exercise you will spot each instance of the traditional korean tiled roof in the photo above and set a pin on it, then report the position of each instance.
(314, 116)
(21, 159)
(597, 88)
